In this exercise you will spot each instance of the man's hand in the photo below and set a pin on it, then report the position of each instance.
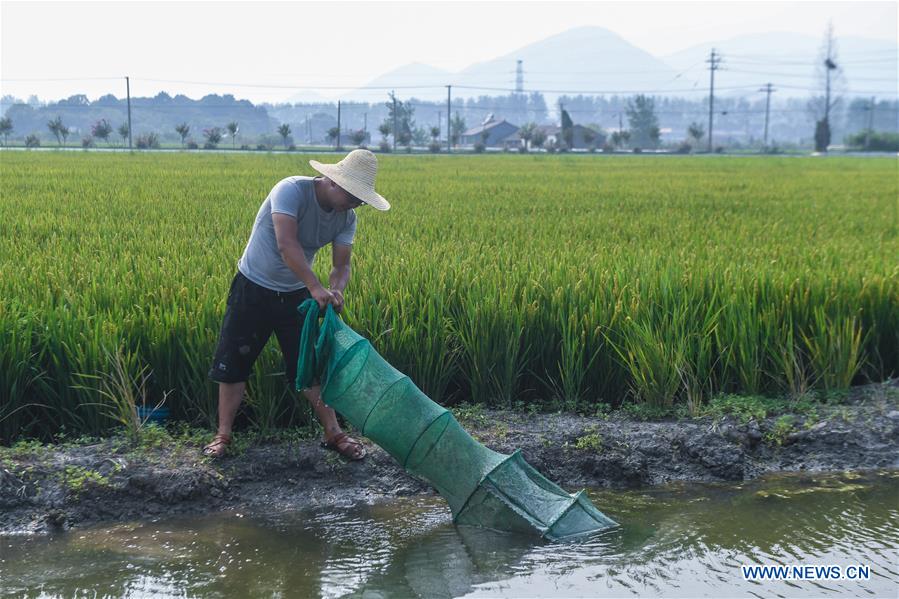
(324, 297)
(338, 295)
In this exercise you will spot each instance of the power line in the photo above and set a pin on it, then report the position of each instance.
(599, 92)
(509, 90)
(300, 87)
(63, 79)
(804, 63)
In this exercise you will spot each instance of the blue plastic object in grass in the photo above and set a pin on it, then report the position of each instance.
(483, 487)
(153, 415)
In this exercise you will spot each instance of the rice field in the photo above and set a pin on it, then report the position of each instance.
(562, 281)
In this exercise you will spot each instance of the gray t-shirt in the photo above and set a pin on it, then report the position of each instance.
(262, 262)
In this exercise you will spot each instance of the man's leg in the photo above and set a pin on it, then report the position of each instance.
(325, 415)
(288, 327)
(230, 396)
(328, 419)
(245, 331)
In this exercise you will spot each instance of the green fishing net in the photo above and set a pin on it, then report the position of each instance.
(483, 488)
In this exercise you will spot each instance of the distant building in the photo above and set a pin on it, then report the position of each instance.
(549, 132)
(496, 132)
(579, 137)
(553, 136)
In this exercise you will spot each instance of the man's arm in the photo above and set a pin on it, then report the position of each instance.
(340, 271)
(292, 253)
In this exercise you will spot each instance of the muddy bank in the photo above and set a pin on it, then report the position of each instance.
(43, 488)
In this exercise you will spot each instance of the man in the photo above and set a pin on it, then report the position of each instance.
(274, 276)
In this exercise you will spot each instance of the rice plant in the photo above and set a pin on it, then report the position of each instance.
(494, 279)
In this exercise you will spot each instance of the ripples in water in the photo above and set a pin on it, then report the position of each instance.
(675, 541)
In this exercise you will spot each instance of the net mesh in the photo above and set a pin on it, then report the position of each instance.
(482, 487)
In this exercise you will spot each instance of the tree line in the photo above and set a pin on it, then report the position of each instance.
(210, 120)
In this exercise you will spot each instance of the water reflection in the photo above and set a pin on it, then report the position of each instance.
(681, 540)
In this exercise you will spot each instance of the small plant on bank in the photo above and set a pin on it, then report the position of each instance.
(783, 426)
(25, 447)
(646, 411)
(602, 410)
(757, 407)
(77, 478)
(590, 441)
(470, 413)
(501, 430)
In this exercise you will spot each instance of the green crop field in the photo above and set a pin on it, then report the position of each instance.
(562, 281)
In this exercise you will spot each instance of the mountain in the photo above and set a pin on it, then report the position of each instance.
(412, 74)
(307, 96)
(584, 58)
(789, 60)
(596, 60)
(588, 59)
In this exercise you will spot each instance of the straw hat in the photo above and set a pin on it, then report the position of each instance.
(356, 174)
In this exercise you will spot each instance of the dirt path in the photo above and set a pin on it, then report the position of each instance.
(60, 487)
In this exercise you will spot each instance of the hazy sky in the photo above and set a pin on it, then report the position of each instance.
(349, 43)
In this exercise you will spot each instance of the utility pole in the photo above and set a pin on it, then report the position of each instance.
(829, 65)
(767, 89)
(519, 78)
(449, 133)
(393, 95)
(870, 125)
(713, 61)
(128, 93)
(337, 147)
(620, 123)
(365, 122)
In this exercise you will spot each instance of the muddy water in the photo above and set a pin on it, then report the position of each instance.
(684, 541)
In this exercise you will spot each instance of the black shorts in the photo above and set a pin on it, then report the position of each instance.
(253, 312)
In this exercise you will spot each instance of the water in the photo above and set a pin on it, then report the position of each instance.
(676, 541)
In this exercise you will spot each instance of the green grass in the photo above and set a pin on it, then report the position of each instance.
(589, 441)
(569, 281)
(756, 407)
(783, 426)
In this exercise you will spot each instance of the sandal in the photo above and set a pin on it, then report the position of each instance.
(345, 446)
(218, 446)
